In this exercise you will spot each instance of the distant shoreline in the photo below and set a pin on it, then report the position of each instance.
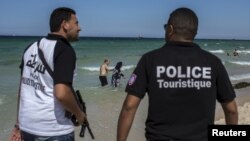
(110, 37)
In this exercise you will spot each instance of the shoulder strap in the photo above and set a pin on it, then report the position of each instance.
(41, 55)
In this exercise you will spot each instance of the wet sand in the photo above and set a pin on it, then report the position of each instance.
(103, 116)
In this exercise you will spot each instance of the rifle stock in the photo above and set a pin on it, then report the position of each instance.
(82, 106)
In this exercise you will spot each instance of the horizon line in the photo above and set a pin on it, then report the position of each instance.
(131, 37)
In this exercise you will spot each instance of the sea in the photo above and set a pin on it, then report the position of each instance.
(91, 51)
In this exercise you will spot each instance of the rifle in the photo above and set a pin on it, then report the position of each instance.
(82, 106)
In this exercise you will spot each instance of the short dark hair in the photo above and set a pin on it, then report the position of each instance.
(106, 60)
(184, 22)
(58, 16)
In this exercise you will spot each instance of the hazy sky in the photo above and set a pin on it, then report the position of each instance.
(127, 18)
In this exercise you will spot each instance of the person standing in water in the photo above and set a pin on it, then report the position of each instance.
(104, 69)
(117, 74)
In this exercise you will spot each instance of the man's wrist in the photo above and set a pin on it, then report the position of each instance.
(16, 126)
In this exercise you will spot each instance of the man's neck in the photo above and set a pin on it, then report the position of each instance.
(176, 38)
(60, 33)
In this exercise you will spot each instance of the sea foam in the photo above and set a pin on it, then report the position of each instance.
(243, 51)
(243, 63)
(240, 77)
(217, 51)
(126, 67)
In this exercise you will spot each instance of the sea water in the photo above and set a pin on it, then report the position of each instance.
(91, 53)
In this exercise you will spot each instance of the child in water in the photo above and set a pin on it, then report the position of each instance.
(116, 76)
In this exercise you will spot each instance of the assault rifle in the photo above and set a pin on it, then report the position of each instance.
(81, 104)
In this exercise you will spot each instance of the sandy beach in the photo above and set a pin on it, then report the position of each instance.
(243, 102)
(103, 116)
(103, 111)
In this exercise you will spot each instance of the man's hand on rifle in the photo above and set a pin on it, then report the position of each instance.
(81, 118)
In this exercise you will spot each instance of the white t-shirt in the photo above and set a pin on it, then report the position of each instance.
(40, 113)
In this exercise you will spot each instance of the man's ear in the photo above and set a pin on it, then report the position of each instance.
(169, 32)
(170, 29)
(65, 25)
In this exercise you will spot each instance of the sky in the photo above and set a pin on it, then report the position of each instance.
(218, 19)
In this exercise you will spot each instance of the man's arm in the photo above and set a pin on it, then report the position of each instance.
(126, 117)
(64, 94)
(108, 69)
(16, 134)
(230, 111)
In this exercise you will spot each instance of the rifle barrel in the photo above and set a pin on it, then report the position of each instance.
(90, 132)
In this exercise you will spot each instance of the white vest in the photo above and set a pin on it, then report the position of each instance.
(40, 113)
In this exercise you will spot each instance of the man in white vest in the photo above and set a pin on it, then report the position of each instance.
(44, 97)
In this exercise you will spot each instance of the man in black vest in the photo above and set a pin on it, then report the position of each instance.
(183, 83)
